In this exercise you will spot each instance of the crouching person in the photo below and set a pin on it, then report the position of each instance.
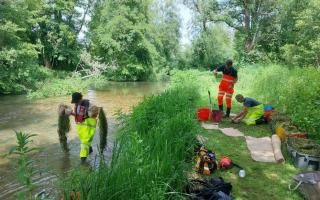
(86, 120)
(252, 113)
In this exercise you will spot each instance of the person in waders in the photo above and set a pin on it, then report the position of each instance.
(229, 78)
(252, 113)
(85, 123)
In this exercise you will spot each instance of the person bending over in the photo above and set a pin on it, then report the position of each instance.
(252, 112)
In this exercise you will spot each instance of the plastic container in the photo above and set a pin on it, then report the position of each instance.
(242, 173)
(301, 160)
(203, 114)
(307, 162)
(298, 135)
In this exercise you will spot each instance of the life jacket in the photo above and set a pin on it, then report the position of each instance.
(206, 161)
(81, 111)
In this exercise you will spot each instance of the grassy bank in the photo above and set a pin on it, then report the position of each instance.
(151, 154)
(263, 181)
(66, 85)
(295, 92)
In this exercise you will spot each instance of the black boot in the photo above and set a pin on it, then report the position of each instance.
(228, 112)
(83, 159)
(261, 120)
(221, 107)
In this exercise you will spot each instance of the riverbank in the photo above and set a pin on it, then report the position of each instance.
(153, 154)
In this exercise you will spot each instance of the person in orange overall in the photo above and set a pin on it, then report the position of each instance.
(229, 78)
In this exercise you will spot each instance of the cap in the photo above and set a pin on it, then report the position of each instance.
(76, 97)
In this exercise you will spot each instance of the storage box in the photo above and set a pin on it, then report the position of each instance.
(302, 160)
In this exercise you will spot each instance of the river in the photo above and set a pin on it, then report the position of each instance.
(40, 117)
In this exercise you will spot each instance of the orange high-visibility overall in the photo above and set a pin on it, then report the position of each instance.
(226, 87)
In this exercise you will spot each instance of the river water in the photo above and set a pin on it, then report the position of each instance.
(40, 117)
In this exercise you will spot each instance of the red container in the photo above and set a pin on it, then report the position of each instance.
(217, 115)
(203, 114)
(298, 135)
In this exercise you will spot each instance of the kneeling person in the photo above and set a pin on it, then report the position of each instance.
(252, 112)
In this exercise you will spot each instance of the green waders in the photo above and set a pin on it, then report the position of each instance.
(253, 114)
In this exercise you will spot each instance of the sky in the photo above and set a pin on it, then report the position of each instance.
(185, 15)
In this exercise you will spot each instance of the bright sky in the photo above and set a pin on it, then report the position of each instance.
(186, 19)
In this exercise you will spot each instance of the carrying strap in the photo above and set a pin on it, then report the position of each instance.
(296, 187)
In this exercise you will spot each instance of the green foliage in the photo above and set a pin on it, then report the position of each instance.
(211, 48)
(153, 146)
(37, 32)
(25, 169)
(18, 56)
(292, 91)
(58, 87)
(303, 50)
(122, 38)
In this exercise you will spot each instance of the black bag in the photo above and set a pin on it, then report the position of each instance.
(212, 189)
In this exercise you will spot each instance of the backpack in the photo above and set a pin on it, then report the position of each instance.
(212, 189)
(206, 161)
(82, 111)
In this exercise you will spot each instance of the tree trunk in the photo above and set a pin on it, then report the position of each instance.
(247, 27)
(47, 63)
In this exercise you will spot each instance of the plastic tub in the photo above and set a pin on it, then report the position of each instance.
(203, 114)
(302, 160)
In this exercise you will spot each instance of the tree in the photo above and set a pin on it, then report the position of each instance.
(211, 47)
(18, 55)
(301, 25)
(61, 24)
(205, 11)
(165, 31)
(119, 35)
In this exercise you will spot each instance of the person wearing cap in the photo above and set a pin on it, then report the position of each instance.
(85, 123)
(252, 113)
(229, 78)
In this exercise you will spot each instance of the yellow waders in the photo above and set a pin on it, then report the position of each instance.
(86, 130)
(253, 114)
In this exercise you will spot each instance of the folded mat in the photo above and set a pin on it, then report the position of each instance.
(276, 145)
(231, 132)
(210, 126)
(265, 149)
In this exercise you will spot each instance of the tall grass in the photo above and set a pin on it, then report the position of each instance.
(151, 154)
(294, 91)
